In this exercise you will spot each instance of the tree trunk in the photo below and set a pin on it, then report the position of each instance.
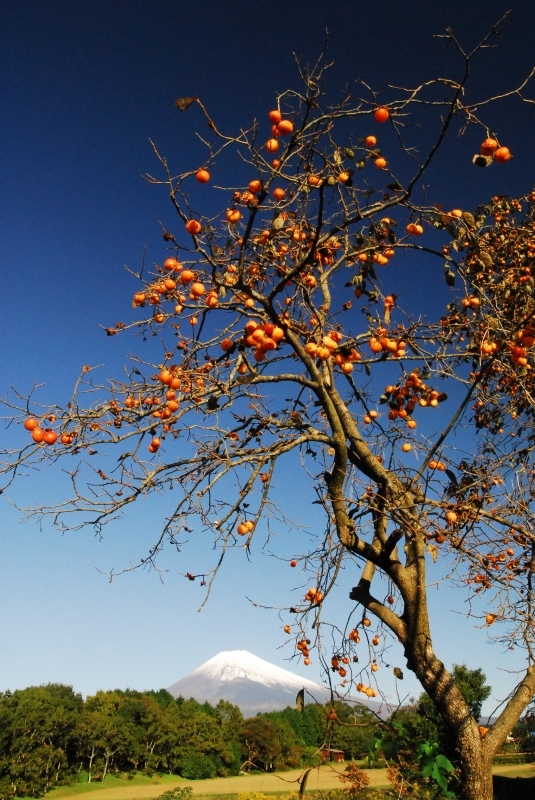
(477, 776)
(475, 760)
(91, 757)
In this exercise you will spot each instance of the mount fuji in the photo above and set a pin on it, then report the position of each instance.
(249, 682)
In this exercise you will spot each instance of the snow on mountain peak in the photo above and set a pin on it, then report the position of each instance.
(249, 682)
(231, 665)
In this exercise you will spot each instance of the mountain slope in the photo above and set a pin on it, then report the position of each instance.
(249, 682)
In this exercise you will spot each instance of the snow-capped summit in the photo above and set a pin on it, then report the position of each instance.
(249, 682)
(232, 664)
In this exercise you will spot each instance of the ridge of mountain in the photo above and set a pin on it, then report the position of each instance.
(249, 682)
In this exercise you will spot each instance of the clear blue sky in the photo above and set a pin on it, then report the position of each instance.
(84, 86)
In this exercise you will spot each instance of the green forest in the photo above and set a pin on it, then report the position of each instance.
(51, 736)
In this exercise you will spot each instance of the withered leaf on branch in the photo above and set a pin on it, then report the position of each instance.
(449, 274)
(452, 476)
(482, 161)
(433, 550)
(184, 102)
(469, 219)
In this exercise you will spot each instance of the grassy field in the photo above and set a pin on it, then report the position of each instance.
(114, 782)
(324, 779)
(145, 788)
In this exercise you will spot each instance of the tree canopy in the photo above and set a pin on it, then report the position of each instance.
(50, 737)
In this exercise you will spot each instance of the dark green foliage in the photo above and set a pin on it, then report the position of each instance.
(355, 730)
(524, 731)
(38, 738)
(309, 726)
(471, 683)
(49, 736)
(196, 766)
(352, 731)
(418, 740)
(424, 721)
(260, 745)
(162, 697)
(418, 763)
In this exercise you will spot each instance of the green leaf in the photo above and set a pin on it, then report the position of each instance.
(439, 777)
(444, 763)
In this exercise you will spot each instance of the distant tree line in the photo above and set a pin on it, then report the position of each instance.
(50, 736)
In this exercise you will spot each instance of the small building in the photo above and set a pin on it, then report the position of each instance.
(329, 754)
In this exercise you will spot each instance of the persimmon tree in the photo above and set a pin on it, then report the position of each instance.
(281, 336)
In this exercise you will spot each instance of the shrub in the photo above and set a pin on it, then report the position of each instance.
(196, 767)
(178, 793)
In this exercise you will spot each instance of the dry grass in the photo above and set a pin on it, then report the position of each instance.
(324, 778)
